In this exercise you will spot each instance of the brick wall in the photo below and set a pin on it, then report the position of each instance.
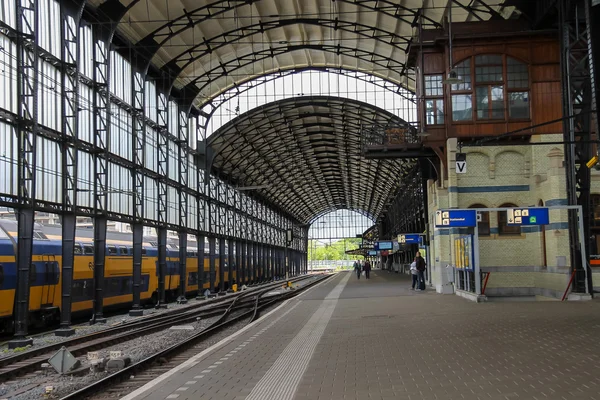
(525, 176)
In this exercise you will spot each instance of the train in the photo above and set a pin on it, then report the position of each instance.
(45, 273)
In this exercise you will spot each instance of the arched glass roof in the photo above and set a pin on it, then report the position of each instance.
(350, 85)
(209, 46)
(304, 155)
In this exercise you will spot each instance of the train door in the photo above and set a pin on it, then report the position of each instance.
(50, 271)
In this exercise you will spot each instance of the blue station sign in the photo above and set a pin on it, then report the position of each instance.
(409, 238)
(387, 245)
(528, 216)
(455, 218)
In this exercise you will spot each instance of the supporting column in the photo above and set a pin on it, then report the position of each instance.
(211, 262)
(181, 299)
(99, 259)
(162, 266)
(200, 267)
(232, 265)
(138, 239)
(261, 262)
(238, 264)
(222, 263)
(24, 250)
(68, 258)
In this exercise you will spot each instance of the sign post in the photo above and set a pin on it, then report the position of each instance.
(410, 238)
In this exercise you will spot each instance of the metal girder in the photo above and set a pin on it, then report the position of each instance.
(199, 83)
(311, 132)
(162, 266)
(579, 102)
(99, 258)
(194, 53)
(70, 117)
(241, 88)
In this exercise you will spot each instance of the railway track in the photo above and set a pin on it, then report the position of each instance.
(22, 363)
(138, 374)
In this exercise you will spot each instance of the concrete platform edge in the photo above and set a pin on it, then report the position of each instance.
(194, 360)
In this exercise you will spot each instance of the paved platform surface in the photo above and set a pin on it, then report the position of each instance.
(376, 339)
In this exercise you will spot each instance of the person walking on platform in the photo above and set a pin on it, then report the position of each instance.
(357, 269)
(420, 270)
(415, 274)
(367, 269)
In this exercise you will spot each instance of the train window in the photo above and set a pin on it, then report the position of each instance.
(77, 249)
(123, 250)
(112, 250)
(130, 250)
(193, 278)
(88, 249)
(1, 275)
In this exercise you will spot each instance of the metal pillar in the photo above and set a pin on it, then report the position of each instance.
(238, 263)
(27, 91)
(211, 262)
(138, 238)
(200, 267)
(231, 263)
(181, 299)
(68, 258)
(261, 262)
(162, 266)
(99, 259)
(579, 100)
(222, 264)
(253, 265)
(70, 103)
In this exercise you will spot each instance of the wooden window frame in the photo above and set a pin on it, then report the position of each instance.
(474, 84)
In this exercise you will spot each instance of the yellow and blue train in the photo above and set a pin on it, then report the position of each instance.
(45, 273)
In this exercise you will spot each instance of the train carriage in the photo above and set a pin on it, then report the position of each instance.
(45, 273)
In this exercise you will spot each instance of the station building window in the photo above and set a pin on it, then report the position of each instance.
(483, 226)
(503, 227)
(434, 100)
(494, 87)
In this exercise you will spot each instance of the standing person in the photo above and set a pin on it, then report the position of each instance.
(357, 268)
(367, 269)
(415, 274)
(420, 270)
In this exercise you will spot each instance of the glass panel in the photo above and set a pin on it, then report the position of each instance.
(439, 103)
(518, 105)
(433, 85)
(517, 74)
(482, 100)
(463, 70)
(497, 102)
(488, 74)
(462, 107)
(430, 112)
(488, 59)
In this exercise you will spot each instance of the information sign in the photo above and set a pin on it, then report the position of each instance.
(383, 245)
(372, 253)
(528, 216)
(409, 238)
(455, 218)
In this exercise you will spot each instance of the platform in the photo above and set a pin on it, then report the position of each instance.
(376, 339)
